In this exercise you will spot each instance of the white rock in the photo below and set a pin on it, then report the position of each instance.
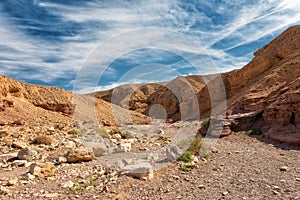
(126, 147)
(19, 145)
(19, 163)
(140, 170)
(116, 136)
(29, 177)
(12, 182)
(68, 184)
(61, 160)
(70, 144)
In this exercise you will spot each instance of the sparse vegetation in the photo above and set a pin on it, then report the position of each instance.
(254, 131)
(103, 133)
(205, 124)
(73, 132)
(42, 139)
(3, 133)
(22, 129)
(186, 168)
(124, 135)
(186, 157)
(195, 146)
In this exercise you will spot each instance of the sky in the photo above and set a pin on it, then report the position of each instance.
(50, 42)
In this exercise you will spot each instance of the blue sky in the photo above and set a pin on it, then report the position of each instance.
(47, 41)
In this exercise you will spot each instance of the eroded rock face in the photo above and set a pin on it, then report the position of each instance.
(276, 91)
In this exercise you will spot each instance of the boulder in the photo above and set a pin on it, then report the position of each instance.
(142, 170)
(79, 155)
(98, 148)
(42, 169)
(27, 154)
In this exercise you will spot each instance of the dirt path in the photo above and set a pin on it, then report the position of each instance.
(243, 168)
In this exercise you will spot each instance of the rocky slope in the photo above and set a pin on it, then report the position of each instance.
(33, 104)
(268, 86)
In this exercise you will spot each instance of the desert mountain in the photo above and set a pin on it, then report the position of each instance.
(33, 104)
(264, 94)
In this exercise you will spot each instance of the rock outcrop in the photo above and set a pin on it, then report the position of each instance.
(268, 85)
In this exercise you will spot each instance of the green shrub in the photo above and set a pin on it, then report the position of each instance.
(254, 131)
(103, 133)
(124, 135)
(73, 132)
(196, 144)
(3, 133)
(186, 157)
(186, 168)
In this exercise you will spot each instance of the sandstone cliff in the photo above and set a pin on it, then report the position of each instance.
(267, 86)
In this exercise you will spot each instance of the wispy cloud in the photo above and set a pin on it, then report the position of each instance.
(50, 40)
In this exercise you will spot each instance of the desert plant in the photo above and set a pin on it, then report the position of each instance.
(103, 133)
(195, 146)
(254, 131)
(124, 135)
(3, 133)
(73, 132)
(185, 168)
(42, 139)
(186, 157)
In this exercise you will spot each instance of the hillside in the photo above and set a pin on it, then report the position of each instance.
(22, 103)
(268, 85)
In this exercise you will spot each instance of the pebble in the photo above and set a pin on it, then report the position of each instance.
(68, 184)
(224, 193)
(284, 168)
(13, 182)
(201, 186)
(275, 192)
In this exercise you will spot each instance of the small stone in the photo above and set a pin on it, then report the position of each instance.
(27, 154)
(12, 182)
(161, 131)
(275, 187)
(173, 153)
(61, 160)
(42, 169)
(68, 184)
(116, 136)
(225, 193)
(3, 190)
(215, 150)
(284, 168)
(126, 147)
(298, 179)
(176, 177)
(29, 177)
(275, 192)
(201, 186)
(51, 195)
(79, 155)
(18, 163)
(98, 148)
(70, 144)
(19, 145)
(140, 170)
